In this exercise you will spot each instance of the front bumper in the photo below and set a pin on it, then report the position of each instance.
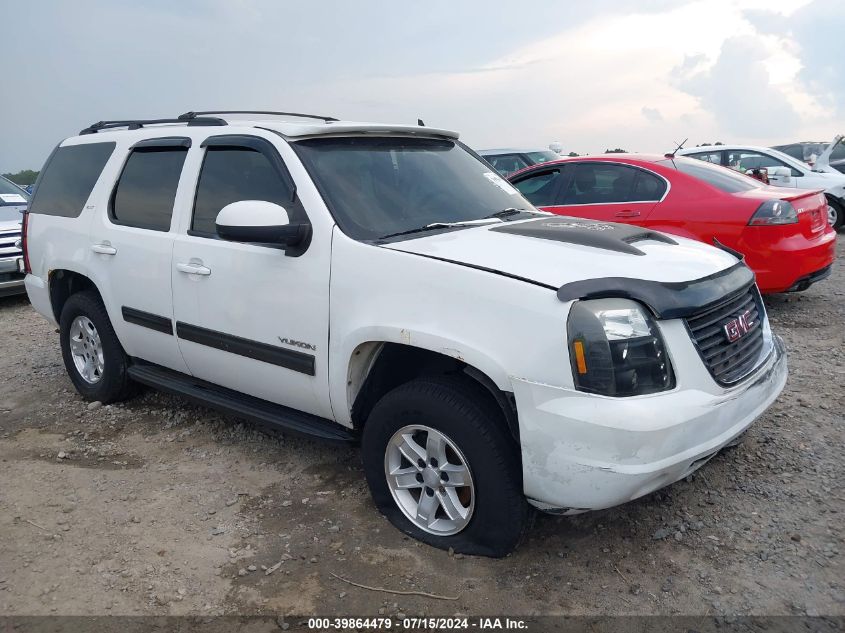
(11, 277)
(583, 452)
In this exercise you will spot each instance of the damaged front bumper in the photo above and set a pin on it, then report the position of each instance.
(582, 452)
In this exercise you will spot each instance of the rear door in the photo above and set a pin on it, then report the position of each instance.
(611, 192)
(131, 246)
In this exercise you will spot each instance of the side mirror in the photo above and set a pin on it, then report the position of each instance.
(259, 222)
(782, 173)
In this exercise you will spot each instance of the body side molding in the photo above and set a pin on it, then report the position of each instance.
(287, 358)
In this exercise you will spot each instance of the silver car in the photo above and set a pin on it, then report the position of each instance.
(507, 161)
(13, 202)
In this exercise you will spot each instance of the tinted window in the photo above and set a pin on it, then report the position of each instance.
(231, 174)
(607, 183)
(68, 177)
(147, 188)
(540, 188)
(543, 156)
(720, 177)
(378, 186)
(507, 163)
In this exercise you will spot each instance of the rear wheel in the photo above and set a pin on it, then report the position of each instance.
(442, 467)
(93, 356)
(835, 213)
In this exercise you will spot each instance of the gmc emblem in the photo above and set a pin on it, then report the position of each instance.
(736, 328)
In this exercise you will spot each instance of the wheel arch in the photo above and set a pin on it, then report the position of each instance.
(376, 367)
(63, 283)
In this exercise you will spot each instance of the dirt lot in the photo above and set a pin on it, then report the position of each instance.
(159, 507)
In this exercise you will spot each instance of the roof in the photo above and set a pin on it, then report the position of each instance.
(289, 125)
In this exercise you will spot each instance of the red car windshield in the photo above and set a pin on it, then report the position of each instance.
(722, 178)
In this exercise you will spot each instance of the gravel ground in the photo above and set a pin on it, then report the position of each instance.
(159, 507)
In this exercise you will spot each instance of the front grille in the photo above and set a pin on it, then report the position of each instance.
(728, 361)
(8, 239)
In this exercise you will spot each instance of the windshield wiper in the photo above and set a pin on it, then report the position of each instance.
(504, 213)
(444, 225)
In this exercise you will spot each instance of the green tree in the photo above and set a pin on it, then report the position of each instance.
(573, 154)
(23, 178)
(618, 150)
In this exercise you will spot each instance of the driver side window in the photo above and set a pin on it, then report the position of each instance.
(232, 174)
(540, 187)
(742, 161)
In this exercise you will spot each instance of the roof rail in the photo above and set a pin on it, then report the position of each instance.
(188, 116)
(134, 124)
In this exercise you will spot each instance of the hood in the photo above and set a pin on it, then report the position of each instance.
(557, 250)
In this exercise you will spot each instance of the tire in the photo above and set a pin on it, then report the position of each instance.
(463, 415)
(104, 377)
(838, 207)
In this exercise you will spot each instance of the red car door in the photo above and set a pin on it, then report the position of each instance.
(602, 190)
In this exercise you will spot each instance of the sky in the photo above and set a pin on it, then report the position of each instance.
(642, 75)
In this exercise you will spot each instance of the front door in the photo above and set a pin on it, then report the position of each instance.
(251, 317)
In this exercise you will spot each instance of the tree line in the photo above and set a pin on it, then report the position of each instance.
(23, 178)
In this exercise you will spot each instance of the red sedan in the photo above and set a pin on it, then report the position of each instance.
(783, 233)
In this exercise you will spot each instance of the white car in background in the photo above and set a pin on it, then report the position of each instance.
(783, 171)
(13, 202)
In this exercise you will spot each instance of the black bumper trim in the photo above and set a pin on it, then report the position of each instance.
(667, 300)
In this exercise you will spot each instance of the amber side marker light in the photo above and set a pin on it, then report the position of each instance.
(580, 360)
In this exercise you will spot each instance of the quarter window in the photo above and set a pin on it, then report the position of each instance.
(232, 174)
(147, 188)
(68, 178)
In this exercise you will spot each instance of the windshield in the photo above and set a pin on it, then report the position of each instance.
(543, 156)
(376, 187)
(722, 178)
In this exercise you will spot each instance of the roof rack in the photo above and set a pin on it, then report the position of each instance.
(134, 124)
(189, 116)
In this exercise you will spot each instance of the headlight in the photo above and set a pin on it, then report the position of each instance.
(616, 349)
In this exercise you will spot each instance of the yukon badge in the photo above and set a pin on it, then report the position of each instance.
(736, 328)
(303, 345)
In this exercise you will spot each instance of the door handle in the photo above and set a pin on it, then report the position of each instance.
(104, 249)
(627, 213)
(193, 269)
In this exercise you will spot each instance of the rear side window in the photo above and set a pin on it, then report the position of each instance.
(68, 178)
(722, 178)
(608, 183)
(146, 190)
(232, 174)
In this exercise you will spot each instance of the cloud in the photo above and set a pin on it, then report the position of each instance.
(816, 31)
(738, 92)
(652, 114)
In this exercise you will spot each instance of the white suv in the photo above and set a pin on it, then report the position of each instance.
(380, 283)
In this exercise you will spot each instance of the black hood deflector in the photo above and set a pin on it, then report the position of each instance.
(608, 236)
(667, 300)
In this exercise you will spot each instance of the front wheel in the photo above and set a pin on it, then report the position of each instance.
(442, 467)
